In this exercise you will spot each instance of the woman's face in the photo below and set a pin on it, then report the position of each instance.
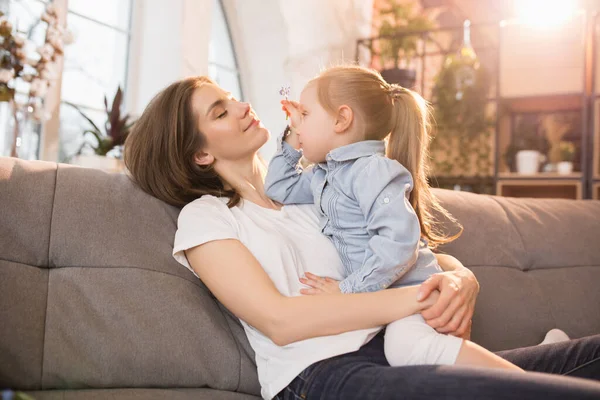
(232, 130)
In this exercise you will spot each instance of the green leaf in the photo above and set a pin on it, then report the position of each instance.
(462, 123)
(405, 21)
(22, 396)
(97, 134)
(84, 116)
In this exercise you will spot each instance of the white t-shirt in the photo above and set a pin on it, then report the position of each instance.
(287, 243)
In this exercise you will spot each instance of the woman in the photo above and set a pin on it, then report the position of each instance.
(196, 147)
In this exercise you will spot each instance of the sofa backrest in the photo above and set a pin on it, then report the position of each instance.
(537, 261)
(91, 297)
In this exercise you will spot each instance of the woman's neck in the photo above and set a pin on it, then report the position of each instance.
(247, 179)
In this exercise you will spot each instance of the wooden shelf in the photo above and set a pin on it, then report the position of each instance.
(541, 175)
(545, 103)
(475, 184)
(596, 144)
(541, 188)
(596, 159)
(596, 191)
(467, 180)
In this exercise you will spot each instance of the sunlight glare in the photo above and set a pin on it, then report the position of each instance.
(545, 13)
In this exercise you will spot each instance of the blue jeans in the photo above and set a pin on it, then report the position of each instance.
(365, 374)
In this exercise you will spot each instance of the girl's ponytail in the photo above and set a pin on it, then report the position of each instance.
(381, 108)
(408, 144)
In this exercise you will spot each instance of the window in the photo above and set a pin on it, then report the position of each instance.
(222, 65)
(95, 65)
(24, 16)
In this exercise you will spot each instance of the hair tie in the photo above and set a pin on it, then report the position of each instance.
(395, 91)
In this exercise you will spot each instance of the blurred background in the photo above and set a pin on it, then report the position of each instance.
(513, 84)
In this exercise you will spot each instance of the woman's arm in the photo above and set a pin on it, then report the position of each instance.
(458, 289)
(236, 278)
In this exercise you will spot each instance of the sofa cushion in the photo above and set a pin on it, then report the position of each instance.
(140, 394)
(94, 297)
(23, 294)
(26, 199)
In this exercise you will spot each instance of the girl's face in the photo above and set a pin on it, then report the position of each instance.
(232, 130)
(316, 132)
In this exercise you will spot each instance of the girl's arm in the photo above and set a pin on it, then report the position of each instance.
(450, 263)
(236, 278)
(286, 181)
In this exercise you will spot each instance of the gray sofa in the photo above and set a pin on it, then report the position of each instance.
(92, 305)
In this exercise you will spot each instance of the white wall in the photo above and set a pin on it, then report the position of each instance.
(259, 37)
(169, 41)
(322, 33)
(285, 43)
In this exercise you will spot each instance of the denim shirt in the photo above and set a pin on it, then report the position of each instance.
(362, 199)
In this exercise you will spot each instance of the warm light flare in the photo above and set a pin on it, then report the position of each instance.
(545, 13)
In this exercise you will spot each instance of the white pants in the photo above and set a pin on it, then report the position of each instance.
(410, 341)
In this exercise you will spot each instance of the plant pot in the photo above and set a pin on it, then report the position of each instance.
(103, 163)
(403, 77)
(528, 161)
(564, 167)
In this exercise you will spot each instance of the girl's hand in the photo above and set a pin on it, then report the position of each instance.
(453, 311)
(319, 285)
(294, 111)
(430, 300)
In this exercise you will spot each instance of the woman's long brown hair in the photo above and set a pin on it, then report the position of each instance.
(159, 151)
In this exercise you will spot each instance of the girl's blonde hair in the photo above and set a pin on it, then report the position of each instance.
(383, 111)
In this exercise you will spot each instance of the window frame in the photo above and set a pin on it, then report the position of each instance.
(217, 65)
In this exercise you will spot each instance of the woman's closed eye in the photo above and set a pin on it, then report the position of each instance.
(222, 115)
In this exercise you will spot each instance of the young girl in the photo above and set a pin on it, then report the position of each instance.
(376, 210)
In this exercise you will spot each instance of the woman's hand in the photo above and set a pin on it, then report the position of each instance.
(453, 311)
(320, 285)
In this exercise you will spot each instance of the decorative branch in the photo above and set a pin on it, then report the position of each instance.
(37, 70)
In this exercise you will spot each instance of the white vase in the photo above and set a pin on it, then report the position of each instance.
(564, 167)
(20, 138)
(6, 129)
(528, 161)
(98, 162)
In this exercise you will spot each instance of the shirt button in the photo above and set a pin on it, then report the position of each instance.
(386, 200)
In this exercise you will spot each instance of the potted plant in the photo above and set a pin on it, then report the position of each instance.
(461, 145)
(556, 127)
(108, 142)
(398, 43)
(527, 151)
(567, 155)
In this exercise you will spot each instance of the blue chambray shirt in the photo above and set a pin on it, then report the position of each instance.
(362, 199)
